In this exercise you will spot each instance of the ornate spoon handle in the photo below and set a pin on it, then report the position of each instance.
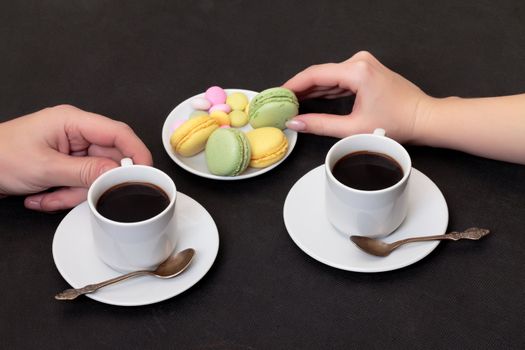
(72, 293)
(473, 233)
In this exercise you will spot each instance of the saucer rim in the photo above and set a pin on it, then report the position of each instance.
(291, 135)
(431, 245)
(211, 245)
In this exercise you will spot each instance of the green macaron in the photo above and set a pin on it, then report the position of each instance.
(273, 107)
(227, 152)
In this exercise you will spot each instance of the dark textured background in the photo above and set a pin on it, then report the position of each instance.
(135, 60)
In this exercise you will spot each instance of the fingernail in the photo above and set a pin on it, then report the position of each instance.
(295, 124)
(32, 204)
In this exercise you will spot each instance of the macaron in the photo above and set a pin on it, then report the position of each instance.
(273, 107)
(190, 138)
(227, 152)
(268, 146)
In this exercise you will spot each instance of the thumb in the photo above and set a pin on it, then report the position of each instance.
(78, 171)
(323, 124)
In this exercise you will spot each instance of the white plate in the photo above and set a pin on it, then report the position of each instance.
(77, 261)
(197, 163)
(306, 222)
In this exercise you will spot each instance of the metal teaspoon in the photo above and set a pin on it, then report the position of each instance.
(171, 267)
(380, 248)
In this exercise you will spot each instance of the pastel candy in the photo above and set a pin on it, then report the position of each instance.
(200, 103)
(237, 101)
(197, 113)
(220, 117)
(238, 118)
(221, 107)
(216, 95)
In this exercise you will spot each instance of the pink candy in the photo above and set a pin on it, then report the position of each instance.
(216, 95)
(221, 107)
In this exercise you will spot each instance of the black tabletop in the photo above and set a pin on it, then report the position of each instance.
(136, 60)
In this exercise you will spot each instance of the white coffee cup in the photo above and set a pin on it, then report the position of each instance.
(129, 246)
(375, 213)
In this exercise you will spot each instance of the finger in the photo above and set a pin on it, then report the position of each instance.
(103, 131)
(321, 88)
(328, 92)
(82, 153)
(340, 95)
(313, 90)
(323, 124)
(65, 170)
(364, 56)
(107, 152)
(308, 79)
(327, 75)
(64, 198)
(304, 95)
(99, 151)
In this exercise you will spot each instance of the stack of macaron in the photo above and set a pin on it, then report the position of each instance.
(213, 127)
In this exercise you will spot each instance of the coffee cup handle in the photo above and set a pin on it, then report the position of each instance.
(126, 162)
(379, 132)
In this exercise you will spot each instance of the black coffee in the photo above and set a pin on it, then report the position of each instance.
(368, 171)
(132, 202)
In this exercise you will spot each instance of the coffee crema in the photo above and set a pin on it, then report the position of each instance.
(132, 202)
(367, 171)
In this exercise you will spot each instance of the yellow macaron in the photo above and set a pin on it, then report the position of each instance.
(268, 145)
(190, 138)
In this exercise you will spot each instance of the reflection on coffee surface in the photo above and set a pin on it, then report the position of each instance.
(367, 171)
(132, 202)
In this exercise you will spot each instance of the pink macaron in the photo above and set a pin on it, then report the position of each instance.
(216, 95)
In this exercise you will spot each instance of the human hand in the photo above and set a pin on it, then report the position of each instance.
(62, 147)
(384, 99)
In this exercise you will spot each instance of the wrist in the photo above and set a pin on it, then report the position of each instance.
(429, 120)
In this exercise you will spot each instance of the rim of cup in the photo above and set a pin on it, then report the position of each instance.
(383, 138)
(91, 199)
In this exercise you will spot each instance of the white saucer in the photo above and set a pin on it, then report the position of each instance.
(307, 225)
(197, 164)
(77, 261)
